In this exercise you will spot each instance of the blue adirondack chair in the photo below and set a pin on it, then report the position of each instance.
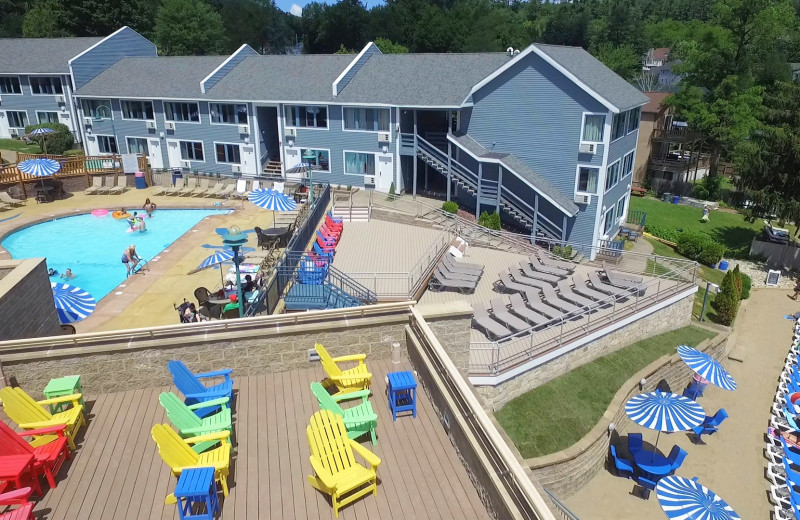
(624, 468)
(324, 254)
(676, 457)
(194, 391)
(711, 424)
(634, 442)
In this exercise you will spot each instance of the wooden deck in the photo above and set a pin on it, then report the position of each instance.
(117, 473)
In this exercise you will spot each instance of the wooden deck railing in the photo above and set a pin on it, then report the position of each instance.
(73, 166)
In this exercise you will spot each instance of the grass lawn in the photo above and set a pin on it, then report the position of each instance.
(18, 145)
(559, 413)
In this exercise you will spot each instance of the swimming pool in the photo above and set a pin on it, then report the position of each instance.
(92, 246)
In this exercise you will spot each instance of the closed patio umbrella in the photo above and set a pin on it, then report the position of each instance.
(685, 499)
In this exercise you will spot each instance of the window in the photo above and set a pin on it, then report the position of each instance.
(9, 85)
(192, 151)
(228, 114)
(137, 145)
(46, 85)
(47, 117)
(633, 119)
(367, 119)
(593, 128)
(17, 119)
(627, 165)
(92, 108)
(587, 179)
(182, 112)
(609, 221)
(618, 126)
(137, 110)
(107, 144)
(228, 153)
(321, 161)
(359, 163)
(612, 175)
(621, 207)
(307, 116)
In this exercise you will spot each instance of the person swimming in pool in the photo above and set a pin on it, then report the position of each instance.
(130, 258)
(68, 274)
(137, 223)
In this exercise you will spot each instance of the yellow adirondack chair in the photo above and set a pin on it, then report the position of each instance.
(31, 415)
(180, 454)
(350, 380)
(337, 472)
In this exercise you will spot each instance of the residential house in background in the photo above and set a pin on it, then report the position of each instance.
(38, 76)
(795, 71)
(654, 115)
(655, 58)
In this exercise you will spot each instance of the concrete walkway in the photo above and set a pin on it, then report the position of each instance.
(732, 461)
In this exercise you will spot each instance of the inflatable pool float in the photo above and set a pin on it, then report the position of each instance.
(119, 214)
(100, 212)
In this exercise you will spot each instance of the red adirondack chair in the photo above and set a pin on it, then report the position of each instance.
(50, 451)
(20, 498)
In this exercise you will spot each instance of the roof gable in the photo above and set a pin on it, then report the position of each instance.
(41, 55)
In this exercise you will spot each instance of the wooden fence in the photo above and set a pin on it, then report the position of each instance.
(75, 166)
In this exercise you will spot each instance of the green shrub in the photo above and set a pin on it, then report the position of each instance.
(450, 207)
(711, 254)
(700, 192)
(56, 143)
(737, 281)
(726, 308)
(691, 244)
(489, 220)
(747, 284)
(563, 252)
(74, 153)
(391, 190)
(739, 253)
(663, 233)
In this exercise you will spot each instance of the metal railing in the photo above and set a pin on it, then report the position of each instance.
(566, 514)
(675, 134)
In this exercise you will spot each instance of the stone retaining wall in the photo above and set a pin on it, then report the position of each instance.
(672, 317)
(26, 300)
(565, 472)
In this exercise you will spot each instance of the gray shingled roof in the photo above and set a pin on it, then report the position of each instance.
(154, 77)
(596, 76)
(420, 79)
(514, 164)
(40, 55)
(304, 77)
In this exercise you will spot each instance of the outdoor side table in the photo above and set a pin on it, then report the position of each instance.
(197, 486)
(402, 393)
(18, 470)
(63, 386)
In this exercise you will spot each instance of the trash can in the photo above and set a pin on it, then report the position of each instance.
(676, 199)
(141, 182)
(176, 175)
(723, 265)
(666, 197)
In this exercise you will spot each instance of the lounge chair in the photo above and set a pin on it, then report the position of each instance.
(215, 190)
(556, 271)
(241, 191)
(166, 182)
(191, 185)
(501, 313)
(121, 186)
(566, 293)
(584, 290)
(255, 185)
(554, 299)
(4, 206)
(535, 302)
(548, 260)
(175, 190)
(621, 277)
(461, 267)
(97, 185)
(277, 186)
(202, 187)
(505, 282)
(519, 308)
(8, 199)
(107, 186)
(440, 281)
(538, 275)
(484, 321)
(226, 191)
(517, 276)
(456, 275)
(600, 285)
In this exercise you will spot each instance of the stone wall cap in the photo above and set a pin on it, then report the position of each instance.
(445, 310)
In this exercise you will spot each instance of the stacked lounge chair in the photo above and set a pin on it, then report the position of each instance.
(552, 262)
(584, 290)
(457, 276)
(556, 271)
(624, 280)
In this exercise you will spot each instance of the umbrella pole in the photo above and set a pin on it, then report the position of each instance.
(221, 276)
(655, 447)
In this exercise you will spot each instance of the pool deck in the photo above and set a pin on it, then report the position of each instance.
(117, 473)
(147, 299)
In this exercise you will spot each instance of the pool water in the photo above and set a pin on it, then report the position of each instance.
(92, 246)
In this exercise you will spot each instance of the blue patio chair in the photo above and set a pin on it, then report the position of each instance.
(647, 486)
(676, 457)
(195, 391)
(324, 254)
(634, 442)
(711, 424)
(694, 390)
(623, 467)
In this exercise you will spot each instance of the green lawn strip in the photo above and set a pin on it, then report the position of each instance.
(18, 145)
(559, 413)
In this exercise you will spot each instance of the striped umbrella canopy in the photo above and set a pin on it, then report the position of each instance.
(226, 255)
(273, 200)
(41, 131)
(707, 367)
(664, 412)
(39, 167)
(684, 499)
(72, 303)
(300, 168)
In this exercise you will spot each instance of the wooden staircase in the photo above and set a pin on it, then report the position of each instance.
(273, 168)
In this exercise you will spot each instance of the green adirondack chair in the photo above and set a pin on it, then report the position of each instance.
(359, 420)
(188, 423)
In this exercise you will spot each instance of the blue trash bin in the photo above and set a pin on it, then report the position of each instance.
(723, 265)
(141, 182)
(176, 175)
(676, 199)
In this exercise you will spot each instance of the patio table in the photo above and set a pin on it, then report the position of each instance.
(652, 463)
(18, 470)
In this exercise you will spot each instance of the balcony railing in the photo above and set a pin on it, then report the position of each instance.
(673, 164)
(675, 134)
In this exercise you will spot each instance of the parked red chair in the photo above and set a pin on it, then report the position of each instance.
(20, 498)
(49, 448)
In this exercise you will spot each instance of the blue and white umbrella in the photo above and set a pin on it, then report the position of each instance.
(707, 367)
(72, 303)
(684, 499)
(664, 412)
(225, 255)
(271, 199)
(39, 167)
(41, 131)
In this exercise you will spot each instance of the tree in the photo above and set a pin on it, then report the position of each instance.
(188, 27)
(45, 19)
(623, 60)
(258, 23)
(388, 47)
(55, 143)
(101, 18)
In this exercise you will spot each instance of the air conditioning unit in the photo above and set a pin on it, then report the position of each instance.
(170, 125)
(14, 132)
(291, 132)
(244, 129)
(369, 180)
(186, 164)
(88, 121)
(588, 148)
(582, 199)
(383, 137)
(60, 100)
(150, 125)
(236, 168)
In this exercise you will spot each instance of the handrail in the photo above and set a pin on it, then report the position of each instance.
(349, 286)
(564, 510)
(518, 483)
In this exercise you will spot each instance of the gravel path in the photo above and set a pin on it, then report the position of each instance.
(757, 271)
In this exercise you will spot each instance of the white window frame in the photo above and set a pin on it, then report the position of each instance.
(27, 118)
(60, 81)
(621, 212)
(608, 223)
(122, 109)
(110, 136)
(287, 124)
(628, 119)
(362, 175)
(622, 170)
(624, 116)
(387, 131)
(618, 163)
(577, 178)
(211, 119)
(319, 150)
(146, 140)
(19, 80)
(583, 125)
(58, 120)
(199, 115)
(202, 147)
(225, 143)
(106, 102)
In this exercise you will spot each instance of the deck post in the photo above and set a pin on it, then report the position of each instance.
(564, 229)
(478, 195)
(416, 157)
(535, 214)
(449, 167)
(499, 187)
(427, 171)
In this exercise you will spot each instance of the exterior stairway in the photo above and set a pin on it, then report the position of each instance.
(272, 168)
